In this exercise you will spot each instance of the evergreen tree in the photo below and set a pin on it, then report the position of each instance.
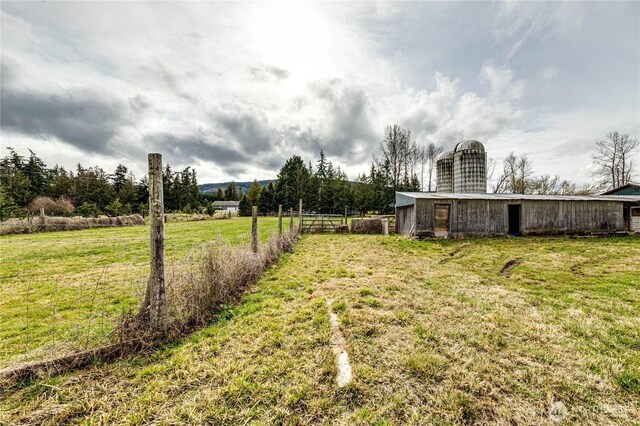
(8, 207)
(268, 203)
(61, 183)
(244, 209)
(231, 193)
(253, 194)
(88, 210)
(119, 177)
(291, 184)
(36, 172)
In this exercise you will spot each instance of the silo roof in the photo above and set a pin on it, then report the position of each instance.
(444, 155)
(468, 144)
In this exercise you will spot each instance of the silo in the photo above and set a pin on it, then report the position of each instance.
(469, 167)
(444, 172)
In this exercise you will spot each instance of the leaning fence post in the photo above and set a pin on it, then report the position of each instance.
(300, 217)
(254, 229)
(156, 296)
(280, 221)
(291, 219)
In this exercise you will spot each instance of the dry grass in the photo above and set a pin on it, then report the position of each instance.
(430, 342)
(59, 223)
(213, 275)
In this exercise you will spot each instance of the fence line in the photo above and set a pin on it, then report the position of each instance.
(52, 316)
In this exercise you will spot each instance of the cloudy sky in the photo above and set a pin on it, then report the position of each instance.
(235, 89)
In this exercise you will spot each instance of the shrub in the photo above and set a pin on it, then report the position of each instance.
(114, 208)
(88, 210)
(61, 206)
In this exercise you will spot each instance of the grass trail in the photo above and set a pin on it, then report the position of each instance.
(60, 291)
(436, 335)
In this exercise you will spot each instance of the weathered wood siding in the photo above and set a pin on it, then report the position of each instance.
(425, 217)
(405, 219)
(571, 217)
(485, 218)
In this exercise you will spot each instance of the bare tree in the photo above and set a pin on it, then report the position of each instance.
(491, 168)
(614, 158)
(517, 174)
(431, 153)
(396, 152)
(422, 159)
(543, 185)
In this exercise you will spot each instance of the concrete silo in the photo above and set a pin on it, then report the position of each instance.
(444, 172)
(469, 167)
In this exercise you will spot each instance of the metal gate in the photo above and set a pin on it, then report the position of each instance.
(322, 223)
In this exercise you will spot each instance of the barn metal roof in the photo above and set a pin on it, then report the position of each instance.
(628, 185)
(491, 196)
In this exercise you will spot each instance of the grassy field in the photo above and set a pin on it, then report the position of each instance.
(62, 290)
(499, 331)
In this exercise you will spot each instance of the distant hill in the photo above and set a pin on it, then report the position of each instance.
(208, 188)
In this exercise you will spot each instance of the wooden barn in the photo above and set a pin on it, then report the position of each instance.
(438, 214)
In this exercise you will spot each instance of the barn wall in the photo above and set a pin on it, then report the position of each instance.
(424, 217)
(568, 217)
(485, 218)
(634, 222)
(542, 217)
(478, 218)
(405, 219)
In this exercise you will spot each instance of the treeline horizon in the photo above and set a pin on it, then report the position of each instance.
(27, 185)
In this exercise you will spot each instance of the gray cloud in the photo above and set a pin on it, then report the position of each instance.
(88, 121)
(195, 148)
(252, 132)
(347, 124)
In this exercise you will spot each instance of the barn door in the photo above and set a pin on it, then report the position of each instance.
(514, 219)
(441, 228)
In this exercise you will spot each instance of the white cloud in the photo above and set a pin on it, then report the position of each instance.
(502, 82)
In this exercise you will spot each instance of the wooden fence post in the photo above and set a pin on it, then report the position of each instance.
(254, 229)
(385, 226)
(300, 217)
(280, 221)
(291, 219)
(156, 296)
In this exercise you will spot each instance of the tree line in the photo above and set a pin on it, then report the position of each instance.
(327, 189)
(28, 185)
(401, 164)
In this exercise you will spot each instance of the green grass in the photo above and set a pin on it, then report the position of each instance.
(436, 334)
(61, 291)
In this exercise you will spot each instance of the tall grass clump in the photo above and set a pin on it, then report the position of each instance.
(212, 275)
